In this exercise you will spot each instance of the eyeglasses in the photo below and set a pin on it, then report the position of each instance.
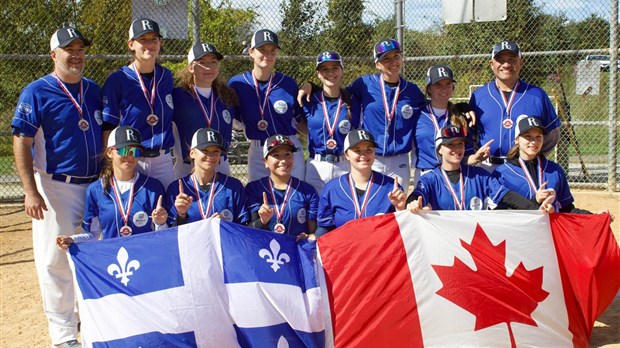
(126, 151)
(386, 46)
(329, 56)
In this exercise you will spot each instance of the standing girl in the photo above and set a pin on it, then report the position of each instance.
(267, 104)
(202, 100)
(140, 96)
(122, 202)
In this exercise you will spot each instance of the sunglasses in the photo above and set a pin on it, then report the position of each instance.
(386, 46)
(126, 151)
(328, 56)
(452, 132)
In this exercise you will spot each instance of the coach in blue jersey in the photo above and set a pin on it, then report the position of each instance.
(206, 193)
(267, 104)
(281, 202)
(56, 139)
(140, 96)
(361, 193)
(330, 114)
(122, 202)
(456, 186)
(529, 173)
(498, 104)
(202, 100)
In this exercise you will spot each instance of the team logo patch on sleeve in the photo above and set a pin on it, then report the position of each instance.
(301, 216)
(344, 127)
(280, 106)
(226, 116)
(140, 218)
(169, 101)
(24, 108)
(407, 111)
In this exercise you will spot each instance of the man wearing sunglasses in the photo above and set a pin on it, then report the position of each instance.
(499, 103)
(56, 138)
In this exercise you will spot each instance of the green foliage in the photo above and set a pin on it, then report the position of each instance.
(224, 26)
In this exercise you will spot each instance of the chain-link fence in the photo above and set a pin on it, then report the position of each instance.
(566, 45)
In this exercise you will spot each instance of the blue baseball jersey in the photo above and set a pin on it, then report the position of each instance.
(229, 200)
(337, 206)
(126, 105)
(188, 117)
(45, 113)
(482, 190)
(318, 128)
(301, 205)
(394, 137)
(496, 122)
(281, 112)
(514, 178)
(102, 205)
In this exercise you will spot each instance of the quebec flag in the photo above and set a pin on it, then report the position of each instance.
(205, 284)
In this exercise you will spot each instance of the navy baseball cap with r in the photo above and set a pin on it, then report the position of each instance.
(205, 137)
(143, 26)
(450, 134)
(124, 136)
(276, 141)
(200, 50)
(525, 123)
(263, 37)
(383, 47)
(356, 136)
(506, 46)
(65, 36)
(437, 73)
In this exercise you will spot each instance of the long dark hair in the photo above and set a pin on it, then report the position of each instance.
(227, 94)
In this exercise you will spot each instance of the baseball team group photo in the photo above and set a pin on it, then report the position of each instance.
(250, 198)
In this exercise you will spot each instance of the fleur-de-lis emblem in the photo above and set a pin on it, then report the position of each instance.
(125, 269)
(274, 257)
(282, 342)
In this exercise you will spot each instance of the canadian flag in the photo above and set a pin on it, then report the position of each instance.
(474, 279)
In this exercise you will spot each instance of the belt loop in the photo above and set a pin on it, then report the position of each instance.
(317, 157)
(67, 179)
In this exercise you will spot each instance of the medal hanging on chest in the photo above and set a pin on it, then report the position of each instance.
(151, 119)
(331, 143)
(82, 123)
(124, 209)
(262, 124)
(279, 210)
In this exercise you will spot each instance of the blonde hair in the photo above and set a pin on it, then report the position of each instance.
(228, 95)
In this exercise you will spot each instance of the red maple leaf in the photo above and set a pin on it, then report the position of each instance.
(488, 293)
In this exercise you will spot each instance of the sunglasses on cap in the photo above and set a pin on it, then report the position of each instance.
(328, 56)
(386, 46)
(126, 151)
(278, 142)
(452, 132)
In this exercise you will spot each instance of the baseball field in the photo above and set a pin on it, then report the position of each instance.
(23, 324)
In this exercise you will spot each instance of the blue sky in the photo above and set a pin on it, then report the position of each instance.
(422, 14)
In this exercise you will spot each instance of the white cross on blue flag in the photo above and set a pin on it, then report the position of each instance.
(206, 284)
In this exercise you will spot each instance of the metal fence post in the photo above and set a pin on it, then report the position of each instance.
(613, 95)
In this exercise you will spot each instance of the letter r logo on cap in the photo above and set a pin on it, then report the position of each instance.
(211, 136)
(267, 36)
(506, 45)
(130, 135)
(362, 134)
(71, 32)
(146, 25)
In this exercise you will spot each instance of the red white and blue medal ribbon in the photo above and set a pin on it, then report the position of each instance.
(459, 203)
(124, 209)
(389, 114)
(77, 103)
(529, 178)
(331, 127)
(434, 118)
(508, 103)
(205, 212)
(151, 100)
(263, 106)
(359, 210)
(279, 210)
(208, 116)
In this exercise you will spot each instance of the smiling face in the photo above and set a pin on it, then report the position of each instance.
(205, 70)
(506, 66)
(122, 164)
(264, 57)
(330, 74)
(69, 60)
(280, 161)
(145, 47)
(441, 91)
(205, 160)
(361, 156)
(452, 154)
(530, 143)
(391, 65)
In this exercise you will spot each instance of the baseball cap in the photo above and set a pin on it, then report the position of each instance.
(200, 50)
(263, 37)
(437, 73)
(328, 56)
(64, 36)
(277, 140)
(506, 46)
(449, 134)
(143, 26)
(525, 123)
(124, 136)
(356, 136)
(383, 47)
(205, 137)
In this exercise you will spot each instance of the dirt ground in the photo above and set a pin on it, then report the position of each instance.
(23, 324)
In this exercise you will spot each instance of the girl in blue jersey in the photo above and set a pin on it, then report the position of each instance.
(202, 100)
(122, 202)
(529, 173)
(330, 114)
(437, 113)
(267, 104)
(206, 193)
(362, 192)
(457, 186)
(281, 202)
(140, 96)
